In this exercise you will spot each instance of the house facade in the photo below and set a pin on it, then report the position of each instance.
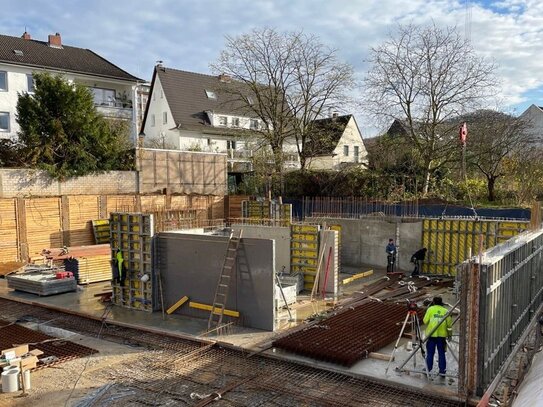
(534, 118)
(114, 90)
(188, 111)
(340, 144)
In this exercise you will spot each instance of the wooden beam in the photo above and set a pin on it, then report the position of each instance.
(177, 305)
(357, 276)
(206, 307)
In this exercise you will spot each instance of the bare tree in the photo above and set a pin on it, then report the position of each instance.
(292, 79)
(426, 76)
(493, 137)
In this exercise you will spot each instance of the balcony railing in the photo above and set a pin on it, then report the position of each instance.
(114, 109)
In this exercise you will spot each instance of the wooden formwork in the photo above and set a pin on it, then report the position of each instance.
(28, 225)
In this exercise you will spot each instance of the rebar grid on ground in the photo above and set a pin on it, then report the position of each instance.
(182, 372)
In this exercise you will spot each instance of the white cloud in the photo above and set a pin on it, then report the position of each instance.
(189, 34)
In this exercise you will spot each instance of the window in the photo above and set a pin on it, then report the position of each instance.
(30, 83)
(4, 121)
(223, 120)
(235, 122)
(230, 145)
(165, 118)
(153, 121)
(346, 151)
(250, 100)
(210, 94)
(356, 153)
(161, 93)
(154, 95)
(103, 97)
(3, 80)
(208, 141)
(254, 124)
(18, 52)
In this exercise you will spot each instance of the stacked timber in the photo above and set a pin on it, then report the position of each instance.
(89, 264)
(90, 269)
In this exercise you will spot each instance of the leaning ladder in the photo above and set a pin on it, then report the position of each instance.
(221, 292)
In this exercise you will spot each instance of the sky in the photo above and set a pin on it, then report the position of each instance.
(189, 35)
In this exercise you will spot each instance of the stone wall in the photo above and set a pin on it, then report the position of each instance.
(16, 183)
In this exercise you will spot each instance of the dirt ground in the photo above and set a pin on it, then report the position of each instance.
(66, 383)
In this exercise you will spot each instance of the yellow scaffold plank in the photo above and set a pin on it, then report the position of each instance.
(206, 307)
(177, 304)
(356, 277)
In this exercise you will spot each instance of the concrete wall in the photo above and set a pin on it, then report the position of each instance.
(281, 235)
(24, 182)
(363, 240)
(191, 264)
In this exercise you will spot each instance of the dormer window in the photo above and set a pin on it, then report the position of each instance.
(18, 52)
(254, 124)
(235, 122)
(223, 121)
(210, 94)
(250, 100)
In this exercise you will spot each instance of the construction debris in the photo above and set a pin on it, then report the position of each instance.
(37, 344)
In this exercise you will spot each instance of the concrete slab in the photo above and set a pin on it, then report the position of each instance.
(84, 303)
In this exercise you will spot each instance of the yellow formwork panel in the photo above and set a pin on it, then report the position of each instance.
(450, 241)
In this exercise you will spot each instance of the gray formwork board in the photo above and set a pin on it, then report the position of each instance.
(190, 265)
(280, 234)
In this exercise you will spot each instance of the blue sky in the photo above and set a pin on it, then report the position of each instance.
(189, 35)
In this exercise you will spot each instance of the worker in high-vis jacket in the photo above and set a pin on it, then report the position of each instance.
(438, 330)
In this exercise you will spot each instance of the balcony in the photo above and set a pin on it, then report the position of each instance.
(114, 109)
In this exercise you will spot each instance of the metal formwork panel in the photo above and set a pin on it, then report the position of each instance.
(451, 241)
(132, 233)
(510, 294)
(304, 253)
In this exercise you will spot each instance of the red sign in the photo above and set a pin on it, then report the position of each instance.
(463, 133)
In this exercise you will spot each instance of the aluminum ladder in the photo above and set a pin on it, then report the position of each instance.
(221, 291)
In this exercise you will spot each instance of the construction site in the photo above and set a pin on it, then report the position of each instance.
(187, 296)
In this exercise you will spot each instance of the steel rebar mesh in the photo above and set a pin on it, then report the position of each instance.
(179, 372)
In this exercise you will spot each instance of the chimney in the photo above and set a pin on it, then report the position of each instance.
(55, 41)
(26, 36)
(223, 77)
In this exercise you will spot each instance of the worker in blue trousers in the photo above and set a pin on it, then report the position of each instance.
(391, 251)
(440, 329)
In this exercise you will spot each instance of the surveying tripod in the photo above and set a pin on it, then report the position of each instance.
(413, 318)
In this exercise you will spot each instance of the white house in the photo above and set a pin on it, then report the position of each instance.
(193, 111)
(114, 89)
(190, 111)
(534, 117)
(338, 144)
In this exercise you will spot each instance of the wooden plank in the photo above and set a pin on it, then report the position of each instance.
(356, 277)
(380, 356)
(206, 307)
(177, 304)
(9, 250)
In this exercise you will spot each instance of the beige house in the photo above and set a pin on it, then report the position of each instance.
(338, 144)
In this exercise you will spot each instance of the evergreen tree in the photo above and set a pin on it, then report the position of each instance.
(62, 133)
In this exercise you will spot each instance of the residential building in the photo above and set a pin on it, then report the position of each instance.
(534, 119)
(192, 111)
(337, 143)
(114, 89)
